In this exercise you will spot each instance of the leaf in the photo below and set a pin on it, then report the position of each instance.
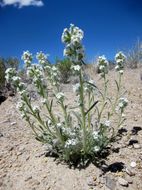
(117, 85)
(95, 87)
(51, 104)
(91, 107)
(77, 115)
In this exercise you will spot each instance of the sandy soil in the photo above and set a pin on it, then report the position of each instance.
(23, 165)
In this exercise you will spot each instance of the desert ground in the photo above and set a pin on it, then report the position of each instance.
(24, 166)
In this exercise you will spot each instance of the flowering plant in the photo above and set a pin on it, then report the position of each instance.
(82, 132)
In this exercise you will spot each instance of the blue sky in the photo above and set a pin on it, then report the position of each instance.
(36, 25)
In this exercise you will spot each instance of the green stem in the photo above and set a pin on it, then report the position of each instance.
(65, 114)
(89, 115)
(104, 99)
(82, 107)
(117, 95)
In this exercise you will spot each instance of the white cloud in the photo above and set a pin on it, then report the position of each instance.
(21, 3)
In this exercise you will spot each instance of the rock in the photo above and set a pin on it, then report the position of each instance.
(136, 146)
(129, 171)
(2, 98)
(35, 182)
(19, 153)
(28, 178)
(10, 148)
(91, 181)
(13, 123)
(133, 164)
(27, 157)
(1, 135)
(110, 182)
(1, 183)
(123, 182)
(130, 181)
(38, 155)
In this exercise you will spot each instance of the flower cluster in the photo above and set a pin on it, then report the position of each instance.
(120, 60)
(10, 73)
(102, 65)
(52, 74)
(70, 143)
(60, 96)
(27, 58)
(123, 102)
(42, 58)
(72, 37)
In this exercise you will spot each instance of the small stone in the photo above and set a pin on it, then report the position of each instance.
(129, 172)
(90, 181)
(13, 123)
(1, 183)
(137, 146)
(27, 157)
(123, 182)
(10, 148)
(110, 183)
(1, 135)
(19, 153)
(38, 155)
(35, 182)
(133, 164)
(28, 178)
(135, 118)
(130, 181)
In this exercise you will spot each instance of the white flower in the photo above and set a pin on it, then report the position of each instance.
(123, 102)
(19, 105)
(121, 71)
(120, 57)
(59, 125)
(22, 92)
(72, 37)
(70, 142)
(44, 101)
(27, 58)
(54, 68)
(95, 135)
(107, 123)
(36, 109)
(96, 148)
(76, 67)
(103, 64)
(42, 57)
(60, 96)
(15, 78)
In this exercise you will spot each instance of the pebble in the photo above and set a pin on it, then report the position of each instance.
(123, 182)
(28, 178)
(38, 155)
(110, 183)
(133, 164)
(137, 146)
(27, 157)
(91, 181)
(19, 153)
(129, 172)
(130, 181)
(13, 123)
